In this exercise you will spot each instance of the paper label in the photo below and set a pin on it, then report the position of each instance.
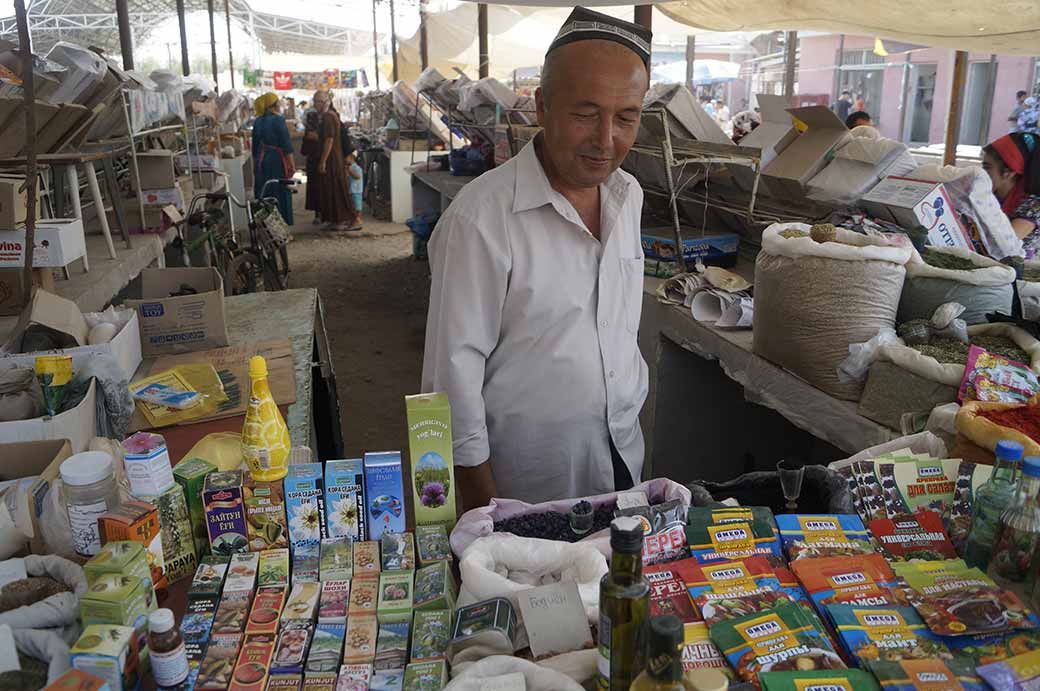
(83, 518)
(169, 669)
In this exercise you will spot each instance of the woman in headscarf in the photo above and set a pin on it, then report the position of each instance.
(272, 153)
(1013, 164)
(335, 205)
(311, 149)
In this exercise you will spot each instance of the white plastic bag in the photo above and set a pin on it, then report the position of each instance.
(536, 677)
(862, 355)
(502, 565)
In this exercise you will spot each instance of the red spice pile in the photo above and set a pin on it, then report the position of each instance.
(1025, 419)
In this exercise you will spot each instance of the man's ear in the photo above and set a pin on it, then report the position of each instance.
(539, 104)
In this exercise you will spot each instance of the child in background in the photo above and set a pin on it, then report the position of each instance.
(357, 186)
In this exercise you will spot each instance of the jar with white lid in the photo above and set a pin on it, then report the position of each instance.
(89, 490)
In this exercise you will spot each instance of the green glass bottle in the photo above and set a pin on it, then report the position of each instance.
(664, 657)
(624, 608)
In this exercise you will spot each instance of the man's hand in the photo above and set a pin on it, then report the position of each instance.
(476, 485)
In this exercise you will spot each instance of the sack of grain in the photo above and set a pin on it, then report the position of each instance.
(815, 299)
(985, 288)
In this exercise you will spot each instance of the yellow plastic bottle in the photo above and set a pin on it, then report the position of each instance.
(265, 437)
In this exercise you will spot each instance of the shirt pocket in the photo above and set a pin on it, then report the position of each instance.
(632, 291)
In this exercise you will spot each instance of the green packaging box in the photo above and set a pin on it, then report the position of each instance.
(120, 600)
(435, 587)
(104, 650)
(122, 557)
(431, 634)
(398, 551)
(426, 676)
(337, 559)
(395, 596)
(178, 542)
(191, 474)
(273, 569)
(431, 544)
(429, 444)
(209, 577)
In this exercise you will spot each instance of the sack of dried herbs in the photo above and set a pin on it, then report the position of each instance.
(952, 274)
(48, 599)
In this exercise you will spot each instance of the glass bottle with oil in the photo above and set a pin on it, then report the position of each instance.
(624, 608)
(664, 658)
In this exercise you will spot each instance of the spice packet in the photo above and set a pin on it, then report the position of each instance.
(994, 378)
(666, 540)
(885, 633)
(699, 652)
(733, 538)
(786, 638)
(965, 602)
(1019, 673)
(54, 372)
(669, 593)
(293, 641)
(926, 675)
(823, 535)
(725, 590)
(982, 650)
(865, 580)
(431, 634)
(917, 536)
(823, 680)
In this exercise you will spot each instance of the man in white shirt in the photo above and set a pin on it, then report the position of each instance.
(537, 275)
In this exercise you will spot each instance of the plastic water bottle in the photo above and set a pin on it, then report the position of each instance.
(989, 503)
(1017, 546)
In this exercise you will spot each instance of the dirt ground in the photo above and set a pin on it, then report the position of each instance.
(375, 297)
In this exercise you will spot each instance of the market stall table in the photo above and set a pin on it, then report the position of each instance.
(698, 419)
(434, 190)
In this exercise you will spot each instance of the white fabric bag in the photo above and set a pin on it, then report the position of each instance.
(536, 677)
(987, 288)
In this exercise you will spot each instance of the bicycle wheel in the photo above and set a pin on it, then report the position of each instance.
(245, 273)
(276, 268)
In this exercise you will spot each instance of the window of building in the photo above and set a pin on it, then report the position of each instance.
(863, 74)
(920, 100)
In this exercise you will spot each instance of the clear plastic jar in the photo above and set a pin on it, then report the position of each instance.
(89, 490)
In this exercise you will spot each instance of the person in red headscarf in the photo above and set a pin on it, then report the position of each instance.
(1013, 164)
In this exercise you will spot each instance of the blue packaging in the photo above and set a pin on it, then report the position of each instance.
(345, 499)
(806, 536)
(305, 504)
(659, 243)
(384, 493)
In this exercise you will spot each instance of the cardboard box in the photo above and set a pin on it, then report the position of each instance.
(28, 459)
(137, 521)
(12, 292)
(911, 203)
(433, 470)
(185, 323)
(107, 652)
(49, 311)
(344, 499)
(225, 513)
(77, 425)
(805, 156)
(771, 137)
(179, 557)
(191, 474)
(304, 504)
(265, 517)
(12, 201)
(254, 663)
(384, 493)
(712, 248)
(57, 242)
(156, 170)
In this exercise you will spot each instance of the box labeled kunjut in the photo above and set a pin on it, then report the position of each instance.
(429, 443)
(225, 513)
(384, 492)
(344, 499)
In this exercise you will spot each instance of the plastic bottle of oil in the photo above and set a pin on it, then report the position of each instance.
(265, 437)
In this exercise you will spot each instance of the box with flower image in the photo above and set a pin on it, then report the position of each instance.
(305, 504)
(345, 499)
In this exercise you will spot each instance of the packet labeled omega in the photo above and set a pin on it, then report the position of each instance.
(725, 590)
(823, 535)
(885, 633)
(866, 580)
(914, 536)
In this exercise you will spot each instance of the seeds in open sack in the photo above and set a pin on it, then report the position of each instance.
(965, 601)
(787, 638)
(730, 589)
(945, 260)
(862, 580)
(914, 536)
(885, 633)
(823, 535)
(927, 675)
(553, 525)
(822, 680)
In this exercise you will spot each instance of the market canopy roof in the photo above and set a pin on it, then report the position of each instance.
(705, 72)
(93, 22)
(990, 26)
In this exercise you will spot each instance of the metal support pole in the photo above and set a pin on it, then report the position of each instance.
(212, 44)
(185, 63)
(953, 115)
(904, 97)
(230, 55)
(790, 60)
(666, 152)
(393, 43)
(29, 99)
(133, 160)
(840, 66)
(375, 42)
(482, 38)
(126, 36)
(691, 51)
(991, 89)
(643, 16)
(424, 50)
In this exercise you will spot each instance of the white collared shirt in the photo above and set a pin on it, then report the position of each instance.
(532, 331)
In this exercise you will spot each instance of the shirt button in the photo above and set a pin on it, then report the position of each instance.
(611, 374)
(603, 323)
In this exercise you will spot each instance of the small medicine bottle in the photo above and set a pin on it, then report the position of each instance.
(166, 650)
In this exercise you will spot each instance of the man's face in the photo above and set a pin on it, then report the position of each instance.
(1021, 99)
(592, 116)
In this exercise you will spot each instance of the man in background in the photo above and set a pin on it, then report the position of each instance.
(1020, 105)
(843, 105)
(858, 118)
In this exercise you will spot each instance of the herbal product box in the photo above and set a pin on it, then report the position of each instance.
(75, 680)
(387, 680)
(225, 513)
(241, 575)
(397, 551)
(254, 663)
(273, 569)
(209, 577)
(429, 443)
(291, 650)
(219, 663)
(332, 607)
(431, 544)
(303, 602)
(431, 634)
(345, 499)
(435, 587)
(232, 613)
(119, 600)
(137, 521)
(197, 623)
(306, 561)
(191, 474)
(354, 678)
(305, 504)
(266, 611)
(107, 652)
(366, 559)
(265, 515)
(426, 676)
(359, 646)
(392, 645)
(284, 682)
(326, 649)
(384, 493)
(178, 544)
(124, 558)
(364, 595)
(319, 682)
(395, 596)
(337, 559)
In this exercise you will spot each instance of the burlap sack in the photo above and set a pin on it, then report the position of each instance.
(21, 397)
(813, 300)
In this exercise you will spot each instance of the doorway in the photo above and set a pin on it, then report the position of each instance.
(918, 123)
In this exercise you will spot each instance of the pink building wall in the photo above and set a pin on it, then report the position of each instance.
(817, 66)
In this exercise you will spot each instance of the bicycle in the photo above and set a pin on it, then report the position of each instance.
(261, 265)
